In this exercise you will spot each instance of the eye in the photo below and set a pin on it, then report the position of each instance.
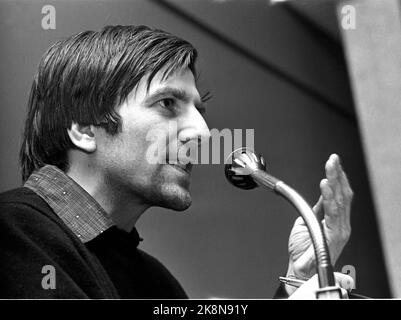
(167, 103)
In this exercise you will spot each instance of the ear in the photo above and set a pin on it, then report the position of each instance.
(82, 137)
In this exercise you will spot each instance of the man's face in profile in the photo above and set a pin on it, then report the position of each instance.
(170, 108)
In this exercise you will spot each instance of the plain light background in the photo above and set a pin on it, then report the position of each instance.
(230, 243)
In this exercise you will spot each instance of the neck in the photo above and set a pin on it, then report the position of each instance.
(123, 207)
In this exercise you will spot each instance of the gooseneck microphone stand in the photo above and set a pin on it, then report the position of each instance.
(245, 170)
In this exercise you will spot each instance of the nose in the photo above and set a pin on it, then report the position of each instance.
(194, 127)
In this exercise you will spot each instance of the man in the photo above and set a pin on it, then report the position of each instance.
(87, 176)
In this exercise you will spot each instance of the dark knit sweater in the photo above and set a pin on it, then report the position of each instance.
(107, 267)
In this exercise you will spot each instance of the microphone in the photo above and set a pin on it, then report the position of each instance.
(245, 170)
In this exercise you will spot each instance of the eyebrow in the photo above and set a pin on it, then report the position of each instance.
(179, 94)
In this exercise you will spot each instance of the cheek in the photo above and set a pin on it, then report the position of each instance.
(135, 143)
(128, 153)
(141, 131)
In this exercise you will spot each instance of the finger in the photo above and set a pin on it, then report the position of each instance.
(347, 193)
(331, 170)
(332, 174)
(318, 209)
(343, 179)
(329, 204)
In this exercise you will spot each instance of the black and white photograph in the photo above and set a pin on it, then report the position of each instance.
(219, 151)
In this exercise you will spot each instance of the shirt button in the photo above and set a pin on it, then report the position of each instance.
(64, 192)
(77, 216)
(79, 236)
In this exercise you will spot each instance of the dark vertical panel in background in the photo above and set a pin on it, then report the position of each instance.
(230, 243)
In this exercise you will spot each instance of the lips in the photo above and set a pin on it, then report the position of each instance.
(180, 166)
(183, 167)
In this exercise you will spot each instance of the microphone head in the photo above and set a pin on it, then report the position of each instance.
(240, 165)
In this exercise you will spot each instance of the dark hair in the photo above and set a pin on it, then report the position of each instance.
(84, 77)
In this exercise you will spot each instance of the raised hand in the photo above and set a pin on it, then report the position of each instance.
(334, 209)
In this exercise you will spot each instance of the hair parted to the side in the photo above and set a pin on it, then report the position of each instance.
(84, 77)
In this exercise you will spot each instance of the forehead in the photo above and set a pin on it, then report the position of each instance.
(181, 79)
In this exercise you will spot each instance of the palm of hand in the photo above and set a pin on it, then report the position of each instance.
(333, 209)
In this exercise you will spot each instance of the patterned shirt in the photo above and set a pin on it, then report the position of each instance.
(79, 210)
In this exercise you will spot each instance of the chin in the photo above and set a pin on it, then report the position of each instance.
(178, 200)
(179, 205)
